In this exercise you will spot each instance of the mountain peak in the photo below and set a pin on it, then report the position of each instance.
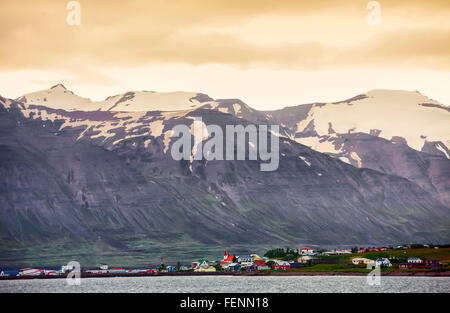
(58, 86)
(404, 97)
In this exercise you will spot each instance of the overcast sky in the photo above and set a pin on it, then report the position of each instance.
(268, 53)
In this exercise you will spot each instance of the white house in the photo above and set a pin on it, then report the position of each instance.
(305, 258)
(200, 263)
(66, 268)
(383, 262)
(30, 271)
(306, 251)
(344, 251)
(414, 260)
(246, 264)
(281, 262)
(246, 259)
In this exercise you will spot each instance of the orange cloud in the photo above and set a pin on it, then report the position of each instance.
(275, 34)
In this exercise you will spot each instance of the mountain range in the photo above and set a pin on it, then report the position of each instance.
(95, 180)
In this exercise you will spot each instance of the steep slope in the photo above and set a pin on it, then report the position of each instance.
(396, 132)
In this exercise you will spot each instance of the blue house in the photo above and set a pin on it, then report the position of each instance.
(234, 267)
(296, 265)
(9, 273)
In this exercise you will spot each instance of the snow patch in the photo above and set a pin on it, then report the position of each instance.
(438, 146)
(156, 128)
(356, 157)
(304, 160)
(167, 137)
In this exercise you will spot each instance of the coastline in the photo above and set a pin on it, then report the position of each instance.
(84, 275)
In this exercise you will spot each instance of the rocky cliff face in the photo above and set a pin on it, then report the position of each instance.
(103, 176)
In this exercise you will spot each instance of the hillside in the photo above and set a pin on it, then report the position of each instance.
(104, 180)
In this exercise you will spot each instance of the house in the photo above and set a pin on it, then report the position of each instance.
(30, 272)
(184, 268)
(263, 267)
(405, 265)
(171, 268)
(200, 263)
(295, 264)
(234, 267)
(429, 264)
(104, 267)
(66, 268)
(281, 265)
(117, 270)
(255, 257)
(432, 264)
(344, 251)
(305, 259)
(260, 265)
(361, 261)
(227, 260)
(306, 251)
(414, 260)
(96, 271)
(245, 259)
(383, 262)
(205, 269)
(135, 271)
(9, 273)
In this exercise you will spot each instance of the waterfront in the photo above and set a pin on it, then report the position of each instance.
(231, 284)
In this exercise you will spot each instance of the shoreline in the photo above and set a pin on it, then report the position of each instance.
(84, 275)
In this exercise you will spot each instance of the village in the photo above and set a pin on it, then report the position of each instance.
(404, 258)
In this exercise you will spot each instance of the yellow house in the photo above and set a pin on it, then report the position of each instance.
(360, 261)
(255, 256)
(205, 269)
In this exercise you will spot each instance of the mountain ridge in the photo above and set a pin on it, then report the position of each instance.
(107, 178)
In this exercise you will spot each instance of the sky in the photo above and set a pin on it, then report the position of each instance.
(269, 53)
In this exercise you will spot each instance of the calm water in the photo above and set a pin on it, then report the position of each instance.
(232, 284)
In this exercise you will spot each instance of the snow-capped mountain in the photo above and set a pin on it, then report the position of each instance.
(372, 130)
(392, 131)
(59, 97)
(396, 115)
(72, 169)
(396, 132)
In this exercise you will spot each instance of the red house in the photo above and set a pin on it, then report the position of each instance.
(227, 259)
(259, 262)
(432, 264)
(282, 266)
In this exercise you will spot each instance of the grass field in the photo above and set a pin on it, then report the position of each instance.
(441, 254)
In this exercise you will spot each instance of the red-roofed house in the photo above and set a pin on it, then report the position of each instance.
(281, 266)
(306, 250)
(227, 259)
